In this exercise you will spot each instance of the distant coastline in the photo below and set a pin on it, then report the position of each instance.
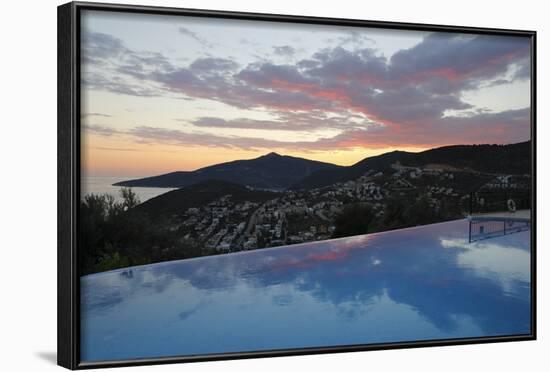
(99, 185)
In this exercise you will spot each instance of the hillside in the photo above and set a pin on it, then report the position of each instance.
(509, 159)
(498, 159)
(197, 195)
(270, 172)
(330, 176)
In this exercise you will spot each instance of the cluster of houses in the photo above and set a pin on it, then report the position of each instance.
(509, 182)
(225, 226)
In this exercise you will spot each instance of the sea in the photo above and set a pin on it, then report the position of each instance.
(104, 185)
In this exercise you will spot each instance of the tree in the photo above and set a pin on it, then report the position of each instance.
(420, 212)
(355, 219)
(130, 199)
(111, 261)
(94, 213)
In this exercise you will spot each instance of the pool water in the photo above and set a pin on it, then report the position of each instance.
(423, 283)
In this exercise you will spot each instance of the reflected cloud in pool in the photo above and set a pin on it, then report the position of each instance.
(422, 283)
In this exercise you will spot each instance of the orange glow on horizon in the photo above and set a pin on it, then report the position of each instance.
(108, 156)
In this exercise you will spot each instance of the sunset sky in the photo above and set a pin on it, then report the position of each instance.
(166, 93)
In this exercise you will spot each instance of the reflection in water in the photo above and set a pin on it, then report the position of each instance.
(412, 284)
(507, 263)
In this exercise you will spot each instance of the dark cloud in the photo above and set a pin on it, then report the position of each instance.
(410, 103)
(106, 50)
(146, 134)
(498, 82)
(267, 74)
(153, 135)
(181, 138)
(292, 121)
(115, 84)
(505, 127)
(523, 69)
(339, 63)
(213, 65)
(194, 36)
(214, 122)
(110, 66)
(307, 64)
(373, 101)
(241, 123)
(97, 47)
(462, 61)
(235, 90)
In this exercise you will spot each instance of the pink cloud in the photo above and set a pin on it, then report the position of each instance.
(405, 97)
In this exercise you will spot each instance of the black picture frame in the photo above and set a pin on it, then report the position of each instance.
(68, 337)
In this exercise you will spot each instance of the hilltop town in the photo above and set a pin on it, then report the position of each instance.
(297, 216)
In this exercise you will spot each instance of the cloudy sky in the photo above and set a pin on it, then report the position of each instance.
(165, 93)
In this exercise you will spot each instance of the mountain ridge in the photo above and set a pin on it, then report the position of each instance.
(277, 172)
(490, 158)
(271, 171)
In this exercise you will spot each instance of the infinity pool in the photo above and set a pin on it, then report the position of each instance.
(422, 283)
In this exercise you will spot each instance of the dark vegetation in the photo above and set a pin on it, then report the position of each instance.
(197, 195)
(507, 159)
(359, 218)
(121, 234)
(115, 234)
(354, 220)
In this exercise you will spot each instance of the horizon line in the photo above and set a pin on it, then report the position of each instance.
(83, 174)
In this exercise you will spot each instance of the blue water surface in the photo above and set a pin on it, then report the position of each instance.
(423, 283)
